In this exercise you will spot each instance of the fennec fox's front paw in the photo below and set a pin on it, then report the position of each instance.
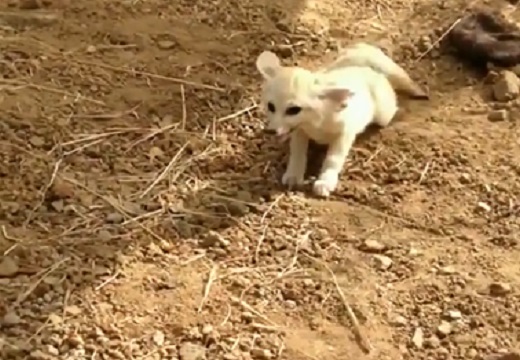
(325, 185)
(293, 177)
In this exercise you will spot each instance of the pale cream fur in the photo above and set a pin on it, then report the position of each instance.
(331, 107)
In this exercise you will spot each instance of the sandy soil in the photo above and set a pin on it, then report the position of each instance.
(142, 215)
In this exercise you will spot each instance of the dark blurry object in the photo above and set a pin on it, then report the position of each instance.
(486, 36)
(505, 356)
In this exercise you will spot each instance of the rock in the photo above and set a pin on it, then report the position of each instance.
(447, 270)
(248, 316)
(444, 329)
(207, 329)
(507, 86)
(114, 218)
(483, 206)
(58, 205)
(237, 209)
(8, 267)
(212, 239)
(91, 49)
(73, 310)
(61, 190)
(75, 341)
(498, 115)
(55, 319)
(155, 152)
(52, 350)
(158, 338)
(262, 354)
(37, 141)
(11, 318)
(39, 355)
(383, 262)
(465, 178)
(190, 351)
(454, 315)
(373, 246)
(245, 196)
(166, 44)
(418, 338)
(432, 342)
(414, 252)
(499, 289)
(473, 353)
(104, 235)
(399, 321)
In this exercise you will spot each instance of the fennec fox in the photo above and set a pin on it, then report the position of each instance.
(331, 106)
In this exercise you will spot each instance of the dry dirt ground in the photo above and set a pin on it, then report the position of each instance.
(142, 216)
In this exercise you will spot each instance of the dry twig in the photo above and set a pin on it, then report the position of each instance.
(271, 206)
(436, 42)
(362, 340)
(77, 97)
(43, 274)
(211, 278)
(166, 170)
(150, 75)
(44, 192)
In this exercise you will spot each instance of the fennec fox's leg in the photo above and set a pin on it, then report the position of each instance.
(333, 164)
(386, 102)
(294, 175)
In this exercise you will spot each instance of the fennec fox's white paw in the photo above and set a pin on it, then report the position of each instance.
(325, 185)
(295, 173)
(293, 177)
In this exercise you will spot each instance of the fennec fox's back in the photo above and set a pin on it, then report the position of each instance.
(362, 54)
(331, 106)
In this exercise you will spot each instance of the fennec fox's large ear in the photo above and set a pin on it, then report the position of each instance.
(336, 94)
(268, 64)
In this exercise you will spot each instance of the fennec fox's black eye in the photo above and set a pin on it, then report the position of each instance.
(270, 107)
(293, 110)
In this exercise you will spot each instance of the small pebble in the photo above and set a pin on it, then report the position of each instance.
(498, 115)
(262, 354)
(499, 289)
(444, 328)
(158, 338)
(207, 329)
(115, 218)
(418, 338)
(37, 141)
(454, 314)
(399, 321)
(8, 267)
(483, 206)
(507, 86)
(373, 246)
(11, 318)
(383, 262)
(447, 270)
(166, 44)
(190, 351)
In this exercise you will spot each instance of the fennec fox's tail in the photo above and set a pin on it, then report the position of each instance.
(363, 54)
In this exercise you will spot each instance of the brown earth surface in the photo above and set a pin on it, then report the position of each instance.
(141, 210)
